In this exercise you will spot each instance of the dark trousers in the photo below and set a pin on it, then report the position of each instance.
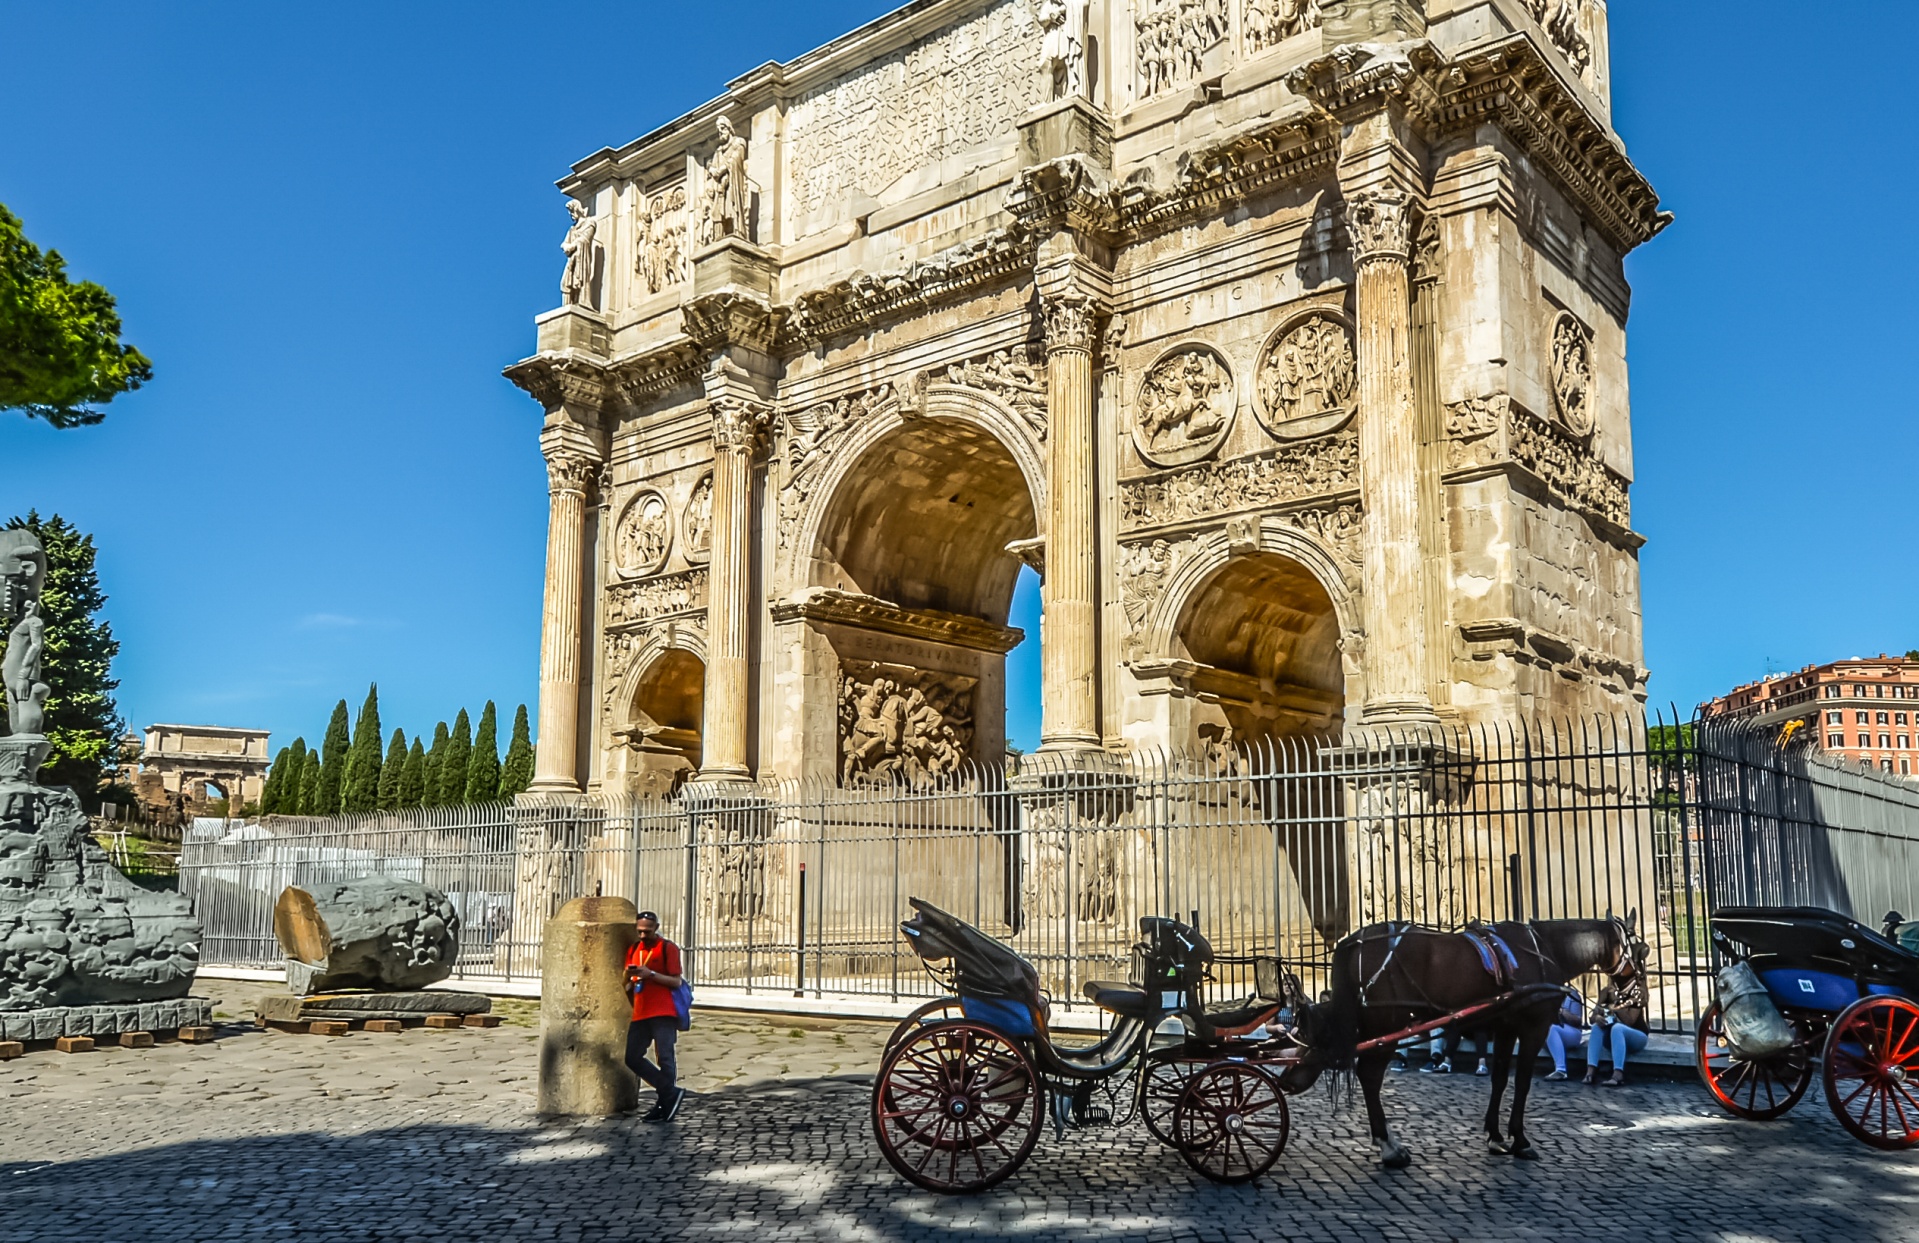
(660, 1034)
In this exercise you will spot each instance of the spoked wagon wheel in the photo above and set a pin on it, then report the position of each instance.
(1162, 1082)
(1872, 1071)
(956, 1107)
(930, 1013)
(1761, 1089)
(1232, 1122)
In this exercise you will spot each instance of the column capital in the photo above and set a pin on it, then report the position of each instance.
(1071, 320)
(739, 425)
(1379, 221)
(568, 470)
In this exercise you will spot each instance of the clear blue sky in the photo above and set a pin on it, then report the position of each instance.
(331, 225)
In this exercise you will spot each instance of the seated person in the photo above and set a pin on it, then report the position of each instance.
(1567, 1031)
(1619, 1023)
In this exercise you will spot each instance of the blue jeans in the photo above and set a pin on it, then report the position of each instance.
(1559, 1038)
(1624, 1040)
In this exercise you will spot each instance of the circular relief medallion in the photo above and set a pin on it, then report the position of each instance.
(1573, 374)
(696, 526)
(1185, 406)
(1308, 377)
(644, 536)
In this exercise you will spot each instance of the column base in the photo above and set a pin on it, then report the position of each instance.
(555, 787)
(1412, 712)
(728, 775)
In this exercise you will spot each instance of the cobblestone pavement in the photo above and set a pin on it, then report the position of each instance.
(429, 1135)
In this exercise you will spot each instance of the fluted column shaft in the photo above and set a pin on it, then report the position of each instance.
(1379, 222)
(736, 432)
(556, 769)
(1069, 650)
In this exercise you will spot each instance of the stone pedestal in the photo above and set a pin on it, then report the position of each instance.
(585, 1010)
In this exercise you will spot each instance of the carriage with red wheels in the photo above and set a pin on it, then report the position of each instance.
(1849, 1001)
(967, 1081)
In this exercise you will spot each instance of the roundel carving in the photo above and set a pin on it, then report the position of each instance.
(1186, 404)
(1308, 377)
(644, 535)
(1572, 374)
(696, 525)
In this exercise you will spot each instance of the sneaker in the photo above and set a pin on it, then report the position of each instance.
(1558, 1076)
(655, 1114)
(1483, 1068)
(1444, 1068)
(1397, 1066)
(673, 1106)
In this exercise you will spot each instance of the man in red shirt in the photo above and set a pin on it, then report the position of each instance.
(652, 973)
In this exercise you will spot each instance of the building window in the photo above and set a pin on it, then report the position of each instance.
(1898, 718)
(1832, 690)
(1885, 742)
(1858, 691)
(1862, 718)
(1885, 718)
(1865, 741)
(1905, 742)
(1836, 742)
(1886, 764)
(1835, 718)
(1905, 768)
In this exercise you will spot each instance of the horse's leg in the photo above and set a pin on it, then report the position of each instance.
(1531, 1037)
(1372, 1075)
(1502, 1051)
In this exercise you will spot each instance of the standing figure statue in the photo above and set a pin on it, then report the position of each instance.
(1062, 57)
(23, 572)
(726, 190)
(576, 283)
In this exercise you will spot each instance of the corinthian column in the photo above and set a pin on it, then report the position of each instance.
(737, 426)
(1379, 222)
(1069, 648)
(556, 768)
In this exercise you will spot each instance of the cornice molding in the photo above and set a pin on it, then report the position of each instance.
(725, 319)
(862, 612)
(556, 380)
(1070, 192)
(863, 299)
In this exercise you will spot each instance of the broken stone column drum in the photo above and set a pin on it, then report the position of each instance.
(584, 1010)
(374, 932)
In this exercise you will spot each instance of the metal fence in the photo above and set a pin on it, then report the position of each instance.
(789, 889)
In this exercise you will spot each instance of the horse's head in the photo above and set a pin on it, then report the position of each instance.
(1627, 951)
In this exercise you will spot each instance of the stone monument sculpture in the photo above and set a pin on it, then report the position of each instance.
(726, 188)
(374, 932)
(1063, 50)
(83, 950)
(576, 282)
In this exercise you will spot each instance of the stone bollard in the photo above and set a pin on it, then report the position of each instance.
(584, 1010)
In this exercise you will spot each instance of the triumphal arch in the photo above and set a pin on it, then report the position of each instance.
(1284, 338)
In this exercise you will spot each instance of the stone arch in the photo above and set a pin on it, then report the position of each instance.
(1253, 625)
(660, 716)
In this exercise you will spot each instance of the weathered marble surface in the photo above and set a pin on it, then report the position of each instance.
(53, 1022)
(289, 1008)
(372, 932)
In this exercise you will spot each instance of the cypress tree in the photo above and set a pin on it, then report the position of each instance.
(311, 797)
(392, 772)
(288, 772)
(459, 752)
(362, 788)
(270, 788)
(435, 761)
(517, 773)
(333, 760)
(483, 770)
(413, 778)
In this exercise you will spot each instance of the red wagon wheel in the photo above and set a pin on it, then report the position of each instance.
(922, 1016)
(1160, 1087)
(1232, 1122)
(956, 1107)
(1872, 1071)
(1760, 1089)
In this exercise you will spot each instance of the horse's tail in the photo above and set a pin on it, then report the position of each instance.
(1332, 1026)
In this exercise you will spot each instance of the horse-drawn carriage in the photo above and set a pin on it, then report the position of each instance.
(1847, 997)
(967, 1081)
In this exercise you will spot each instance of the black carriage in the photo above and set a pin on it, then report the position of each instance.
(967, 1081)
(1848, 995)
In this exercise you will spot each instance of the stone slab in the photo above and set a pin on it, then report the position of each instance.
(108, 1020)
(288, 1008)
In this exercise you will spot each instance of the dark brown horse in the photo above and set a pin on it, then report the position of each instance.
(1388, 978)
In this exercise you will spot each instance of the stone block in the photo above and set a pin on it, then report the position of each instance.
(585, 1011)
(374, 932)
(385, 1025)
(10, 1049)
(328, 1027)
(482, 1020)
(136, 1040)
(445, 1020)
(74, 1044)
(196, 1035)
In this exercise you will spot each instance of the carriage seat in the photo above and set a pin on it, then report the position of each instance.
(1126, 1000)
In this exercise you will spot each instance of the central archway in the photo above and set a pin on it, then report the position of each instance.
(912, 551)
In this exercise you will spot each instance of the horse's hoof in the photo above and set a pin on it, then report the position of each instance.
(1524, 1151)
(1497, 1147)
(1396, 1157)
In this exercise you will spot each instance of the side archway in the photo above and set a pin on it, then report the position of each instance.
(663, 715)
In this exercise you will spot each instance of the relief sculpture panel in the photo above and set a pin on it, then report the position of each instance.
(1295, 472)
(1186, 404)
(643, 536)
(635, 604)
(1308, 379)
(661, 252)
(903, 725)
(958, 90)
(1267, 22)
(1016, 377)
(1171, 41)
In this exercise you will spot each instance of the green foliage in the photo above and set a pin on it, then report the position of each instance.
(270, 788)
(483, 769)
(333, 754)
(360, 793)
(60, 350)
(459, 752)
(517, 773)
(310, 796)
(413, 779)
(435, 761)
(393, 772)
(282, 794)
(82, 721)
